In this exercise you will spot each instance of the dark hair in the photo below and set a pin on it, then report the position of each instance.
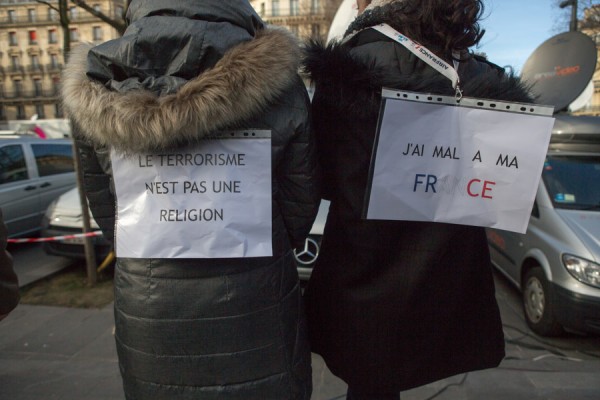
(441, 25)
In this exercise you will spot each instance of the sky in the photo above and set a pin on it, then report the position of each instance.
(515, 28)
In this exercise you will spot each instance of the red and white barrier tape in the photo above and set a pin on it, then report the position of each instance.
(55, 238)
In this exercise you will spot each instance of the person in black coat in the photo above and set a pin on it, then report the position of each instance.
(9, 285)
(393, 305)
(191, 323)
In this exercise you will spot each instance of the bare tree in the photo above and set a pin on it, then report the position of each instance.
(587, 13)
(118, 23)
(591, 17)
(62, 8)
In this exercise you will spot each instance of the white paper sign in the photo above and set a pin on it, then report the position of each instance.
(212, 201)
(475, 164)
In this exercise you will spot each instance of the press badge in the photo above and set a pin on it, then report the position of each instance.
(210, 201)
(455, 159)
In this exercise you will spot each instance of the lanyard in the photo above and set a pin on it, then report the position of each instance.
(424, 54)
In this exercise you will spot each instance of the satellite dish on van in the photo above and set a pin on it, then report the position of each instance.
(345, 14)
(561, 68)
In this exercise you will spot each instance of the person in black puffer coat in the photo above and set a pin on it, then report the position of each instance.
(392, 305)
(201, 328)
(9, 284)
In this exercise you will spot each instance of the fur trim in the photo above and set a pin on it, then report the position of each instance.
(248, 78)
(352, 85)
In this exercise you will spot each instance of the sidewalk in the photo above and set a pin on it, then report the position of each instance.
(53, 353)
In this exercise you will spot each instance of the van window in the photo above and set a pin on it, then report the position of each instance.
(12, 164)
(572, 181)
(52, 159)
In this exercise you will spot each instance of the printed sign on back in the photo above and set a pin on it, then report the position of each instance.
(210, 201)
(471, 164)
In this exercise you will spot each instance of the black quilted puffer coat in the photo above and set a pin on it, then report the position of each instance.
(393, 305)
(223, 328)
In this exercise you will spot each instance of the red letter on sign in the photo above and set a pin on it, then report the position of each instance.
(469, 188)
(485, 189)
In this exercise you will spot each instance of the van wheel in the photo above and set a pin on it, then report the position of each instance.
(537, 304)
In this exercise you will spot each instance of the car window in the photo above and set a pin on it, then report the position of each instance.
(13, 167)
(572, 181)
(52, 159)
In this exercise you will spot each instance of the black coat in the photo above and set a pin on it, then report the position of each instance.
(391, 304)
(9, 286)
(201, 328)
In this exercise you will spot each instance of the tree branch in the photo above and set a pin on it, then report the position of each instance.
(52, 6)
(119, 25)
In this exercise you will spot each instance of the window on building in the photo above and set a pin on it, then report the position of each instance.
(97, 8)
(314, 6)
(12, 39)
(119, 11)
(37, 87)
(97, 31)
(74, 34)
(18, 88)
(295, 30)
(294, 8)
(262, 9)
(35, 62)
(275, 8)
(315, 30)
(52, 37)
(31, 14)
(52, 14)
(39, 110)
(21, 112)
(58, 111)
(32, 37)
(12, 16)
(15, 62)
(54, 62)
(73, 13)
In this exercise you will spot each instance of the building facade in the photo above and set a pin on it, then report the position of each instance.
(31, 52)
(590, 25)
(305, 18)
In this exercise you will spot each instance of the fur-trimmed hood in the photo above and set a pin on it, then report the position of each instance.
(350, 80)
(248, 77)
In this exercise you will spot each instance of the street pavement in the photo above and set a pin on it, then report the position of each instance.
(55, 353)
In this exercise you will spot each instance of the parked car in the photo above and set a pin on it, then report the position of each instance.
(64, 217)
(33, 172)
(556, 263)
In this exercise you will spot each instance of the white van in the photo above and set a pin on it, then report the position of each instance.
(33, 172)
(556, 263)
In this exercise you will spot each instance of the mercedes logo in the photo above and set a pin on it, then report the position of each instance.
(309, 253)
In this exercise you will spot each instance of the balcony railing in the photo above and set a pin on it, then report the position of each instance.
(44, 20)
(15, 69)
(32, 69)
(29, 94)
(53, 67)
